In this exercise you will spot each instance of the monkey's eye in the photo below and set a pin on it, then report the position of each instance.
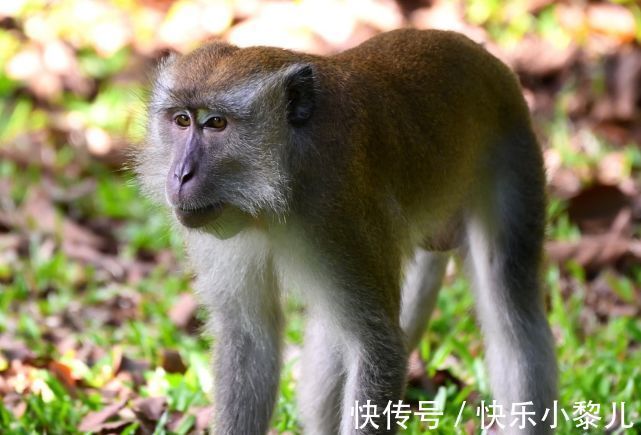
(216, 122)
(182, 121)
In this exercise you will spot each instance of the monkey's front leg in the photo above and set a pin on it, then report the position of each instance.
(246, 373)
(376, 363)
(320, 390)
(246, 321)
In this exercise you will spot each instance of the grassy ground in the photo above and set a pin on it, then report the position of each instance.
(63, 310)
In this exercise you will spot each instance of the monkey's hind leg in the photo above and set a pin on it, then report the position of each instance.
(423, 278)
(504, 245)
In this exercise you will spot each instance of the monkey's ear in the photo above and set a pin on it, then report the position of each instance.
(300, 95)
(167, 57)
(165, 60)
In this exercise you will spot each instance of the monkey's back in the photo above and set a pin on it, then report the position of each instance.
(432, 70)
(444, 108)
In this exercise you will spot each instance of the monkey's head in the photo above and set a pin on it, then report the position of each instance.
(221, 123)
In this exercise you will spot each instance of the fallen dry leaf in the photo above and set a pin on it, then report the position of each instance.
(176, 418)
(63, 372)
(15, 350)
(612, 20)
(172, 362)
(114, 427)
(203, 417)
(594, 252)
(14, 402)
(417, 374)
(150, 409)
(39, 213)
(595, 208)
(536, 57)
(183, 313)
(92, 421)
(135, 369)
(623, 89)
(89, 255)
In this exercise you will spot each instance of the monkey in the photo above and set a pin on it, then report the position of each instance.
(352, 179)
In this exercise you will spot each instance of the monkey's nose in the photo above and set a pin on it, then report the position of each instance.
(185, 172)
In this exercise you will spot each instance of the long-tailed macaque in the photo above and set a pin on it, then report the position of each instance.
(350, 178)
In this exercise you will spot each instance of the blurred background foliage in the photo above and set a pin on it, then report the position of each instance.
(98, 331)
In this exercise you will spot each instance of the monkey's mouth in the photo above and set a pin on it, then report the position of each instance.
(197, 217)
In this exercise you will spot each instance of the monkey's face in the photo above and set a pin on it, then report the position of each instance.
(201, 163)
(218, 138)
